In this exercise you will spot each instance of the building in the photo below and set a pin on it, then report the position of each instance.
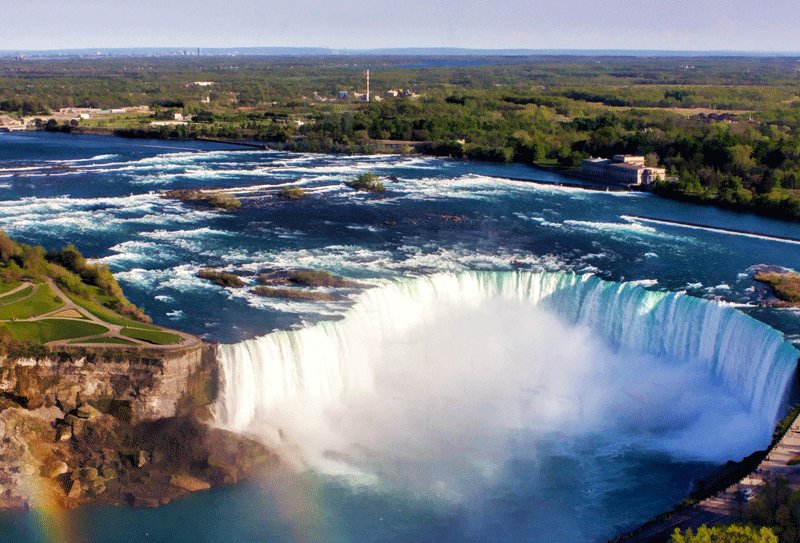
(638, 160)
(629, 170)
(168, 123)
(401, 93)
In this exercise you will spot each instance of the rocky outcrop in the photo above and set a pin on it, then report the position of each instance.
(136, 385)
(188, 483)
(116, 428)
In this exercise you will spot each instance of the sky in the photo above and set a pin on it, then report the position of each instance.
(697, 25)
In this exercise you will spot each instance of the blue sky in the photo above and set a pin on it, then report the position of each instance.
(769, 25)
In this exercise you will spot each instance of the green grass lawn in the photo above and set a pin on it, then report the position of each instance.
(52, 329)
(108, 315)
(104, 340)
(17, 295)
(156, 337)
(42, 301)
(5, 287)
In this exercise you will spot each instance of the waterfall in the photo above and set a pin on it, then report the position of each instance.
(311, 370)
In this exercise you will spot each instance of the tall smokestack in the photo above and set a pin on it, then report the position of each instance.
(367, 84)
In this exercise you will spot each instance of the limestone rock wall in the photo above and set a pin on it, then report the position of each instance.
(115, 426)
(133, 385)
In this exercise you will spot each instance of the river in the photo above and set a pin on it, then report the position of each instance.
(460, 408)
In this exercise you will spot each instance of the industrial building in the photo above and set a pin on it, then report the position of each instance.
(628, 170)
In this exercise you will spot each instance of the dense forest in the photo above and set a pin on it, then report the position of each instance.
(727, 129)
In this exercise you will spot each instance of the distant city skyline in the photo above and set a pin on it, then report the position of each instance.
(679, 25)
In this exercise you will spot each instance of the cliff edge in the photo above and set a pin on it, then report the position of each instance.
(115, 426)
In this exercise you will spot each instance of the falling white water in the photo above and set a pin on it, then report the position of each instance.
(439, 380)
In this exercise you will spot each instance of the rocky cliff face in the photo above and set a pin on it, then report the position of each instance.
(136, 385)
(114, 426)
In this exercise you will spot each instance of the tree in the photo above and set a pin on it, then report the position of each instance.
(8, 248)
(70, 258)
(778, 506)
(651, 160)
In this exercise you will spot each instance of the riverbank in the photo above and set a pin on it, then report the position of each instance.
(97, 404)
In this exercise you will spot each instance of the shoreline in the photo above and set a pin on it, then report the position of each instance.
(721, 500)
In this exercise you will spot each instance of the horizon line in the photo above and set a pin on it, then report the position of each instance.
(417, 50)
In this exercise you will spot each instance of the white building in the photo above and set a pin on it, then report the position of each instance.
(627, 170)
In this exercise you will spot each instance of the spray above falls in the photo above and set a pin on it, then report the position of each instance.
(467, 370)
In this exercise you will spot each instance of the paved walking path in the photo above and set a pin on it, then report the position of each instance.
(113, 330)
(23, 286)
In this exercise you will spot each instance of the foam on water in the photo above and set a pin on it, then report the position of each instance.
(95, 214)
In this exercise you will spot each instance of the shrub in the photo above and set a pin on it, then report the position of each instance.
(11, 272)
(72, 283)
(292, 193)
(725, 534)
(70, 258)
(33, 260)
(366, 182)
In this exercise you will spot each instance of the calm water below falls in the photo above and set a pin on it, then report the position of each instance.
(522, 362)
